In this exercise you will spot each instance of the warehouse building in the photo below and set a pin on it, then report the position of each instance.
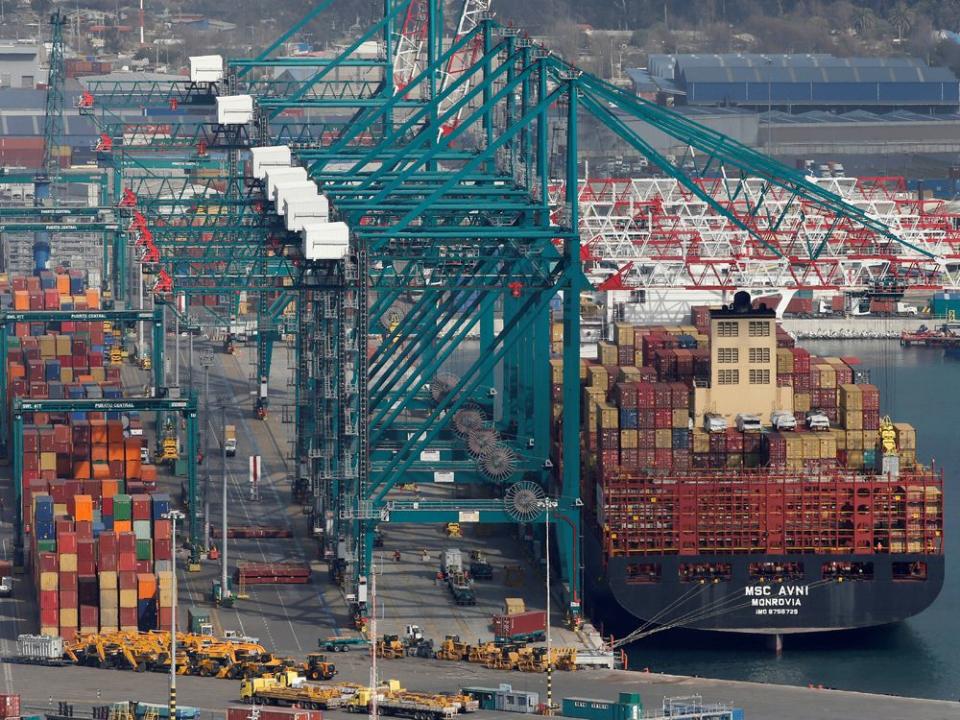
(20, 64)
(799, 83)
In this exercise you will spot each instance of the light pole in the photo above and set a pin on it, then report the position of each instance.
(206, 361)
(173, 516)
(224, 592)
(547, 504)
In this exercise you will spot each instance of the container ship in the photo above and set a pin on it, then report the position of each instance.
(734, 482)
(96, 540)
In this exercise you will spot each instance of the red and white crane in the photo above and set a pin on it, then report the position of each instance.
(646, 233)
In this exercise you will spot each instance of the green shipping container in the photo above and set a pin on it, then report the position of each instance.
(196, 618)
(122, 507)
(47, 545)
(145, 549)
(945, 304)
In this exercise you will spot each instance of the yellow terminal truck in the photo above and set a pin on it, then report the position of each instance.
(394, 700)
(289, 688)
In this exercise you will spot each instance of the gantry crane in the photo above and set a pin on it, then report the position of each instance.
(457, 176)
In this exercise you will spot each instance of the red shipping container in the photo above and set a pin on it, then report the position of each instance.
(68, 582)
(663, 417)
(162, 549)
(9, 706)
(662, 458)
(161, 529)
(127, 542)
(164, 617)
(144, 566)
(68, 599)
(520, 625)
(49, 600)
(48, 562)
(49, 616)
(274, 713)
(127, 580)
(89, 616)
(128, 617)
(127, 562)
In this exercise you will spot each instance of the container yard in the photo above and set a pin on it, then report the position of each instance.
(361, 399)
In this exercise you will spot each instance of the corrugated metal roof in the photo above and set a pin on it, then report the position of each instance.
(750, 67)
(778, 117)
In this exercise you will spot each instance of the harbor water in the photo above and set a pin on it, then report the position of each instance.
(915, 658)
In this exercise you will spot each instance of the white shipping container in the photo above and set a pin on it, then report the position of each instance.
(235, 109)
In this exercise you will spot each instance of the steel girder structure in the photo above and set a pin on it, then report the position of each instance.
(445, 235)
(657, 234)
(722, 216)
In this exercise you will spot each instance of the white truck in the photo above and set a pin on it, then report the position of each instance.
(452, 561)
(783, 420)
(714, 423)
(818, 420)
(230, 440)
(747, 422)
(6, 586)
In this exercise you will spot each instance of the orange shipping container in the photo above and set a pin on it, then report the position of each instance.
(63, 284)
(83, 508)
(133, 469)
(146, 586)
(98, 453)
(81, 470)
(109, 487)
(101, 470)
(120, 526)
(21, 300)
(98, 432)
(148, 473)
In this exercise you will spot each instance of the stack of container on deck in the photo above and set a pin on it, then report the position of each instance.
(102, 558)
(637, 418)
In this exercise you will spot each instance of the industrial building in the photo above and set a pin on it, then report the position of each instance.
(20, 63)
(799, 82)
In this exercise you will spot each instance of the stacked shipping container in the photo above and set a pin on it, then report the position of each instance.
(100, 550)
(657, 484)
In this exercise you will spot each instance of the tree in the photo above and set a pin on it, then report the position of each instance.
(901, 18)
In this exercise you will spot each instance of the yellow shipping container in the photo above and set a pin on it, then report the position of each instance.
(108, 580)
(663, 439)
(701, 441)
(908, 458)
(628, 373)
(681, 418)
(165, 598)
(68, 618)
(828, 446)
(556, 331)
(48, 461)
(68, 562)
(583, 369)
(855, 458)
(48, 581)
(608, 353)
(906, 436)
(628, 439)
(128, 598)
(638, 357)
(556, 371)
(794, 445)
(811, 446)
(623, 334)
(827, 375)
(801, 402)
(854, 440)
(109, 600)
(870, 439)
(598, 377)
(784, 361)
(852, 419)
(63, 345)
(840, 438)
(609, 417)
(851, 398)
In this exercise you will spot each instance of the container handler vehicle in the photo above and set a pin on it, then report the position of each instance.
(288, 688)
